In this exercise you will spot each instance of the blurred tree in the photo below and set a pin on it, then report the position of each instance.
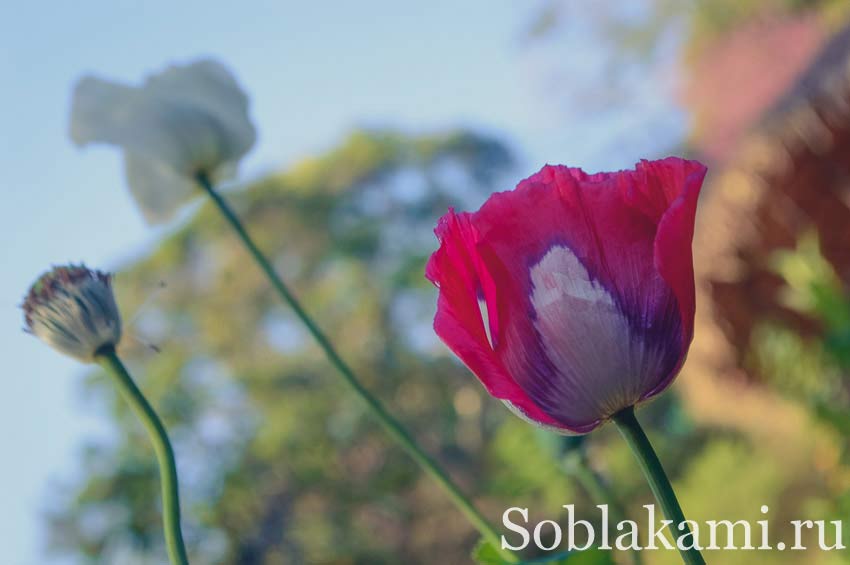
(278, 463)
(647, 61)
(637, 28)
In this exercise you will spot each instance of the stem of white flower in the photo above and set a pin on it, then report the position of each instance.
(390, 424)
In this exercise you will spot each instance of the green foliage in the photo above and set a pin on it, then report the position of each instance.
(590, 557)
(527, 469)
(812, 369)
(278, 463)
(815, 289)
(486, 554)
(800, 368)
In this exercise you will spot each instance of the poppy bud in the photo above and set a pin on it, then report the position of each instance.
(72, 309)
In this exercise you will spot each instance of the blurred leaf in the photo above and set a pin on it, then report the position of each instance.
(485, 554)
(592, 556)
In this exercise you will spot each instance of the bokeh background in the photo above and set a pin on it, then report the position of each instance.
(374, 117)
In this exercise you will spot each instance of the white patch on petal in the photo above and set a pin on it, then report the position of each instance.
(561, 275)
(485, 316)
(602, 366)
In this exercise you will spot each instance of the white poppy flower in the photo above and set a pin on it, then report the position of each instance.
(185, 121)
(73, 310)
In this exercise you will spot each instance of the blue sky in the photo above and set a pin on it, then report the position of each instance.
(314, 71)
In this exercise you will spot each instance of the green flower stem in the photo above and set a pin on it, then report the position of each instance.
(577, 465)
(109, 360)
(390, 424)
(634, 435)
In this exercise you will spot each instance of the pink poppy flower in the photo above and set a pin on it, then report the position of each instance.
(571, 297)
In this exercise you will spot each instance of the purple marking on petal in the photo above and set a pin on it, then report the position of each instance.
(603, 358)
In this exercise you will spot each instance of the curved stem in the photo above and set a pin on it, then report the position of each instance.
(634, 435)
(108, 359)
(390, 424)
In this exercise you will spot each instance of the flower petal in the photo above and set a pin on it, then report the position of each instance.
(107, 112)
(673, 242)
(209, 85)
(592, 284)
(191, 117)
(458, 272)
(156, 188)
